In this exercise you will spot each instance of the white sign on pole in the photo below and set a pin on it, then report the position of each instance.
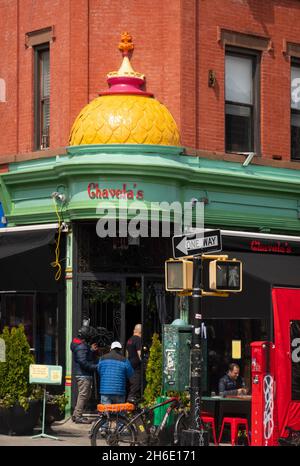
(40, 373)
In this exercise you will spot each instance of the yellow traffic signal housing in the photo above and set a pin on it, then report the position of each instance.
(178, 275)
(225, 275)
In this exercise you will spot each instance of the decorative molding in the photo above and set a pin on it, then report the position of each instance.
(252, 197)
(40, 36)
(291, 49)
(249, 41)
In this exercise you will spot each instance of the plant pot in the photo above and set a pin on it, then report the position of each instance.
(52, 414)
(17, 421)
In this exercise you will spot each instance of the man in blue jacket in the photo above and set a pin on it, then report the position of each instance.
(114, 371)
(84, 365)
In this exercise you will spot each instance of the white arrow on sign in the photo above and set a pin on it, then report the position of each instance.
(187, 245)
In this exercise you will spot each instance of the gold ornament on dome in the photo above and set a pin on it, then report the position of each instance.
(126, 44)
(126, 69)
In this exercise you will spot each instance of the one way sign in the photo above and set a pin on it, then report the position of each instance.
(192, 245)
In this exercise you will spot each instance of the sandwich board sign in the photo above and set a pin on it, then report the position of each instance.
(43, 374)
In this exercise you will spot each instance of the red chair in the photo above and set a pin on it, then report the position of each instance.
(209, 419)
(234, 423)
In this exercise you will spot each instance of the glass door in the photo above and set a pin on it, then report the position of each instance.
(103, 302)
(157, 307)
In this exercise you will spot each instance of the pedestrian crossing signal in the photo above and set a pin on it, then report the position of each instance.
(225, 275)
(178, 275)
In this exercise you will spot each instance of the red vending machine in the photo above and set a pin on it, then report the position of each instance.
(263, 412)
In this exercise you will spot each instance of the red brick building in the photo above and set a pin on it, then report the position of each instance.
(229, 73)
(177, 44)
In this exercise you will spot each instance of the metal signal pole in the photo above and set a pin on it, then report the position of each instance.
(195, 436)
(196, 351)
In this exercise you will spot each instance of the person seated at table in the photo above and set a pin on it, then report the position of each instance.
(232, 384)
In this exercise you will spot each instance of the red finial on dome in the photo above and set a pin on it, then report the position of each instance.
(126, 80)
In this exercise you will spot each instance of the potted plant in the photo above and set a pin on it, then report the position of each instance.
(55, 408)
(153, 391)
(153, 372)
(20, 401)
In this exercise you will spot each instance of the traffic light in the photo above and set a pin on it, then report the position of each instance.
(178, 275)
(225, 275)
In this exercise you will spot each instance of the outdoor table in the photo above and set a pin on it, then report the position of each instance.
(233, 406)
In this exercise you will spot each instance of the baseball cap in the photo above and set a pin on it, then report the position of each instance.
(116, 344)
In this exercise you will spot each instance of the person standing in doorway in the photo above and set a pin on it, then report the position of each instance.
(85, 364)
(134, 351)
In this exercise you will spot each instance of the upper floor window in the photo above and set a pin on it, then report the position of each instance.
(42, 97)
(2, 90)
(241, 102)
(295, 111)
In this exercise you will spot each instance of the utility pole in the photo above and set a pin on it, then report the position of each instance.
(195, 435)
(196, 351)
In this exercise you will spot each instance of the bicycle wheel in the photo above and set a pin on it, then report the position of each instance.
(182, 423)
(112, 429)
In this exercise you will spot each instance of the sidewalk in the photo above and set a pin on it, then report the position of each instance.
(67, 432)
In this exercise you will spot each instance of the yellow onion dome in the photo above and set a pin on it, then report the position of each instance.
(125, 114)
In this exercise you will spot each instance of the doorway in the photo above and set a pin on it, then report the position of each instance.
(112, 304)
(117, 303)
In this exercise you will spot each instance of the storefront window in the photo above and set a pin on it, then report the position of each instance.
(18, 309)
(219, 348)
(38, 313)
(47, 332)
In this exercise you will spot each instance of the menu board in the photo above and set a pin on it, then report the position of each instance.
(40, 373)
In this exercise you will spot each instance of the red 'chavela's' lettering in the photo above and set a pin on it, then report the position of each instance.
(278, 247)
(94, 192)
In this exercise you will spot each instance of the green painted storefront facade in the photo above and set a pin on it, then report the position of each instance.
(255, 198)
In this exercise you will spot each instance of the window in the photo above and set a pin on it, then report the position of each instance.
(2, 90)
(42, 97)
(241, 102)
(38, 312)
(295, 111)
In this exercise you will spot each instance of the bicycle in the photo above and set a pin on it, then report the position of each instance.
(292, 440)
(122, 424)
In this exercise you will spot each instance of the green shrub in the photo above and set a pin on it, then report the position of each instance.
(4, 365)
(14, 373)
(60, 400)
(153, 372)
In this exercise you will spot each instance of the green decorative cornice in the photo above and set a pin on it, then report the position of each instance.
(241, 197)
(159, 161)
(124, 149)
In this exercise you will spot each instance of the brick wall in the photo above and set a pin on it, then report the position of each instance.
(176, 43)
(277, 20)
